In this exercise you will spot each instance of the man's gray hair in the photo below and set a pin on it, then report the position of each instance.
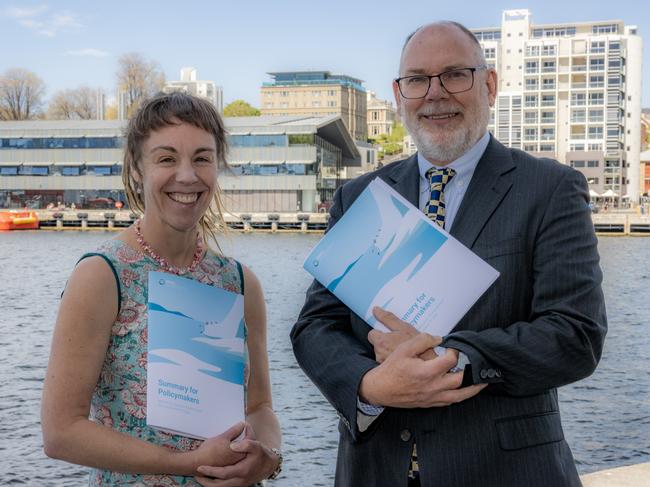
(449, 23)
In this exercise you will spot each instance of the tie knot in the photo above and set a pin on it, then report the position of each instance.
(440, 176)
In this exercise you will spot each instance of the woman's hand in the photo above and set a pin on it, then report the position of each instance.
(258, 464)
(216, 451)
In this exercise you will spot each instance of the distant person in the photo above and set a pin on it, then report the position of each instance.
(405, 416)
(175, 144)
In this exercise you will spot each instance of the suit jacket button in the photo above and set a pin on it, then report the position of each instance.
(483, 374)
(498, 373)
(491, 373)
(405, 435)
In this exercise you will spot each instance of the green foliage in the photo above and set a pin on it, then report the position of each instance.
(390, 144)
(240, 108)
(301, 139)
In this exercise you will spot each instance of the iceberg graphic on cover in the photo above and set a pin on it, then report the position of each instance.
(196, 356)
(385, 252)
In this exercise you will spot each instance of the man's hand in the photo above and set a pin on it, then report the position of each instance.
(400, 331)
(406, 380)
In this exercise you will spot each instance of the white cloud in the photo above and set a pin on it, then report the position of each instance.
(88, 52)
(20, 13)
(42, 21)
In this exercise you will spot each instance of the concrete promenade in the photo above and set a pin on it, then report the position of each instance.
(629, 476)
(615, 223)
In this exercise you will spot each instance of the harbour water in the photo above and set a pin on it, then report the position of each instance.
(606, 417)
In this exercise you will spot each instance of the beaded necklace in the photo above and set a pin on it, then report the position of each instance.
(162, 261)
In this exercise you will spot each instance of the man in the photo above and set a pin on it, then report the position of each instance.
(541, 324)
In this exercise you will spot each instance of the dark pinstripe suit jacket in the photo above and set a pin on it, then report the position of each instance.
(540, 326)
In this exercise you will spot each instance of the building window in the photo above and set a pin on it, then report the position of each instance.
(578, 99)
(597, 46)
(597, 64)
(548, 100)
(548, 66)
(548, 133)
(614, 63)
(604, 29)
(530, 101)
(548, 84)
(548, 50)
(530, 134)
(331, 103)
(530, 117)
(315, 103)
(531, 67)
(532, 50)
(548, 117)
(596, 81)
(596, 98)
(578, 115)
(547, 147)
(70, 171)
(595, 147)
(577, 163)
(331, 92)
(595, 133)
(531, 84)
(592, 163)
(596, 115)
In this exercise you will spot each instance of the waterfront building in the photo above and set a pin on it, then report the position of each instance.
(644, 187)
(201, 88)
(570, 91)
(277, 164)
(381, 116)
(317, 93)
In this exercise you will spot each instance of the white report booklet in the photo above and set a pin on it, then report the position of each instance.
(195, 356)
(386, 252)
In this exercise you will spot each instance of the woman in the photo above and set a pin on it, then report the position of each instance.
(174, 146)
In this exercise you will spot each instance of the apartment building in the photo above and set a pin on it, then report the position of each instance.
(319, 94)
(571, 92)
(201, 88)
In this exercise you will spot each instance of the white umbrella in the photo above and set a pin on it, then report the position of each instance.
(609, 194)
(593, 194)
(626, 196)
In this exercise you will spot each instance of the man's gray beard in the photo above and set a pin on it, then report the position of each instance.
(455, 145)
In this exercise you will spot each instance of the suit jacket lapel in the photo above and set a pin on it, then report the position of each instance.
(405, 179)
(490, 183)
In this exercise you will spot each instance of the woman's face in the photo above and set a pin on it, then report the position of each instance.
(179, 175)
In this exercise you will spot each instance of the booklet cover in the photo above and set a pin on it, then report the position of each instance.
(195, 359)
(386, 252)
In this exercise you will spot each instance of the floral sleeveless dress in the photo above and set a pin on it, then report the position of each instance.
(119, 399)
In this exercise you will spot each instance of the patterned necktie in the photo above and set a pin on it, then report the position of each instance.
(438, 179)
(435, 210)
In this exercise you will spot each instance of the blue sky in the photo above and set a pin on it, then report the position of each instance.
(69, 43)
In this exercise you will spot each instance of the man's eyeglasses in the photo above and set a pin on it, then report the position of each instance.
(453, 81)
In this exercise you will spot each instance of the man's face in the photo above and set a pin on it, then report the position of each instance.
(445, 126)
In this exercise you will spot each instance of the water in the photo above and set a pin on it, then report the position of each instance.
(606, 417)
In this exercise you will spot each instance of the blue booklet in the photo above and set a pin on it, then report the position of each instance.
(386, 252)
(195, 359)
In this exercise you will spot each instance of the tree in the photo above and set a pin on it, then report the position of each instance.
(80, 103)
(240, 108)
(137, 79)
(21, 94)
